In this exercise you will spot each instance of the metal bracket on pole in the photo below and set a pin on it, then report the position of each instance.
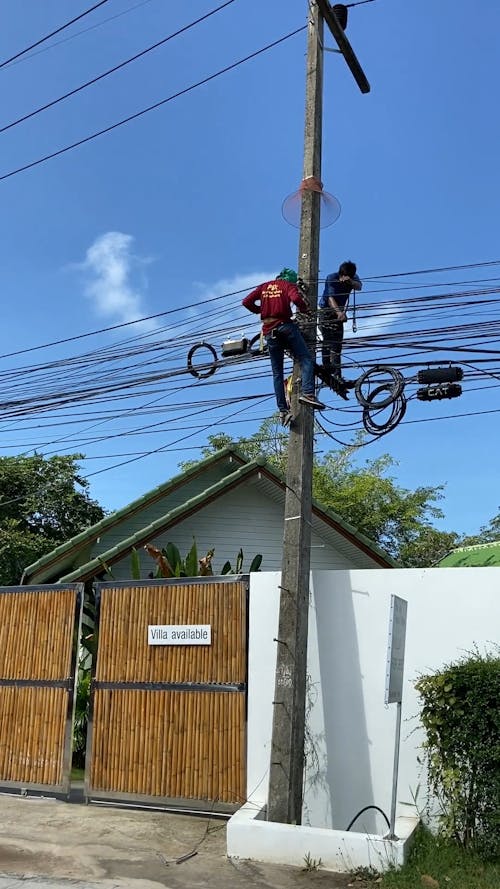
(344, 45)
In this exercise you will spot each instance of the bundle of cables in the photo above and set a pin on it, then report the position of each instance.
(378, 389)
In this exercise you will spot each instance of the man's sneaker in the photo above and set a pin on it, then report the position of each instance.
(285, 418)
(312, 401)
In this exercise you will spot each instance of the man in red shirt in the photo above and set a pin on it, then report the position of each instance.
(272, 301)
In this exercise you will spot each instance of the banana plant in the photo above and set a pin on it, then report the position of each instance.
(170, 563)
(227, 568)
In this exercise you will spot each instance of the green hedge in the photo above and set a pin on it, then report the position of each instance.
(461, 717)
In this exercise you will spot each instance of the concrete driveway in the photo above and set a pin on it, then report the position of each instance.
(67, 845)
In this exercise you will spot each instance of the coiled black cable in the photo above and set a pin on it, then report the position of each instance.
(398, 410)
(377, 808)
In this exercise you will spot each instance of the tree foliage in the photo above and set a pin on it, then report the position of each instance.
(489, 533)
(427, 547)
(368, 497)
(269, 441)
(17, 550)
(43, 502)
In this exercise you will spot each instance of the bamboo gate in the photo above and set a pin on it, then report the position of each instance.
(38, 648)
(167, 722)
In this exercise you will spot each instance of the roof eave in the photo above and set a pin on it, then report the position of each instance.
(47, 564)
(182, 512)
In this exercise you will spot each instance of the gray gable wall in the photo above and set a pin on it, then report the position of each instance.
(245, 518)
(129, 525)
(227, 504)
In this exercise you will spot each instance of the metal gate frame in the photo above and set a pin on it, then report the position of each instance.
(68, 683)
(166, 803)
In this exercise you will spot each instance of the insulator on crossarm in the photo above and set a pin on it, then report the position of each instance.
(439, 391)
(341, 12)
(440, 375)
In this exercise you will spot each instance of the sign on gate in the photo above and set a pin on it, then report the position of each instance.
(179, 634)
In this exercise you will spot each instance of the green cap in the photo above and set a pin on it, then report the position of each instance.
(287, 275)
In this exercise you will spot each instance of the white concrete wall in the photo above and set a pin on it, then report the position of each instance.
(450, 610)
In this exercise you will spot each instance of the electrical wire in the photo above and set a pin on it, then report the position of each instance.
(115, 68)
(105, 21)
(161, 449)
(145, 375)
(72, 21)
(466, 294)
(445, 268)
(112, 327)
(153, 107)
(12, 376)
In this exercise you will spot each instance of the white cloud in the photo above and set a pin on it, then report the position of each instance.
(369, 322)
(235, 284)
(238, 284)
(377, 319)
(109, 263)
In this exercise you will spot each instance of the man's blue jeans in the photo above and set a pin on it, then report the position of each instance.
(288, 337)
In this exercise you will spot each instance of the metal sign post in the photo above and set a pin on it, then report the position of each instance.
(394, 686)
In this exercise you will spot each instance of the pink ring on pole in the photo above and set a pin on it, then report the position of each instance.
(292, 205)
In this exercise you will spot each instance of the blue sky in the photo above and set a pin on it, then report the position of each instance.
(183, 205)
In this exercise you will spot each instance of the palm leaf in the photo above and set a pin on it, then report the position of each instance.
(174, 557)
(256, 563)
(135, 564)
(239, 562)
(192, 561)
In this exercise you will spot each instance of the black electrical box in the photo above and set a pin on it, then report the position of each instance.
(440, 375)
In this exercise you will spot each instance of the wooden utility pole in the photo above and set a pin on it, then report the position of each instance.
(287, 747)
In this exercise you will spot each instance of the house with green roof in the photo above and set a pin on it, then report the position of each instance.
(226, 502)
(482, 555)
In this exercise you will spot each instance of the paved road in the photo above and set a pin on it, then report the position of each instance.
(49, 844)
(39, 883)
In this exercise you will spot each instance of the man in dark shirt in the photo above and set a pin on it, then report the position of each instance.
(333, 314)
(272, 301)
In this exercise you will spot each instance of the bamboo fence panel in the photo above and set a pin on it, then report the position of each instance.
(32, 732)
(36, 645)
(203, 760)
(37, 634)
(124, 653)
(158, 742)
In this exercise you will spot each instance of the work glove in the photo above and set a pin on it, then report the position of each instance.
(302, 286)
